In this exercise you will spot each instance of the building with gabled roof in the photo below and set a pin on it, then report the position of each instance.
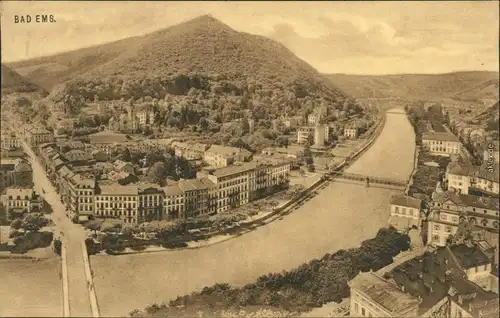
(405, 212)
(441, 143)
(451, 209)
(373, 296)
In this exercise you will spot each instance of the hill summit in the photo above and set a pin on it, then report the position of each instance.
(203, 45)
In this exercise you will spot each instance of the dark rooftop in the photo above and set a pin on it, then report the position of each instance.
(469, 257)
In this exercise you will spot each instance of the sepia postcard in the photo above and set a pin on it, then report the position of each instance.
(249, 159)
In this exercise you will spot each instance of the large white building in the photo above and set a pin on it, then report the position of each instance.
(466, 179)
(405, 212)
(441, 143)
(18, 202)
(451, 209)
(310, 132)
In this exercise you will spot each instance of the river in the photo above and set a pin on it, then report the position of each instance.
(341, 216)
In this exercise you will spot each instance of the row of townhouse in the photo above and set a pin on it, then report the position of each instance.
(214, 192)
(453, 281)
(467, 179)
(451, 211)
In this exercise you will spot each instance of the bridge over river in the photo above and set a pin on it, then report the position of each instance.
(370, 181)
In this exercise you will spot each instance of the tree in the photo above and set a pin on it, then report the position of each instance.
(16, 224)
(126, 155)
(94, 225)
(157, 173)
(57, 246)
(33, 222)
(129, 229)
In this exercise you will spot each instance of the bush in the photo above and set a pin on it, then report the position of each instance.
(57, 246)
(92, 247)
(32, 240)
(15, 233)
(310, 285)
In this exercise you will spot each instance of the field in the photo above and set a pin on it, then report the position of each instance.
(30, 288)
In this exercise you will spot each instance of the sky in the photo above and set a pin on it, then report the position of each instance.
(334, 37)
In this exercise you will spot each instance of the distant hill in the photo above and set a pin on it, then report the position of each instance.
(204, 49)
(13, 82)
(459, 85)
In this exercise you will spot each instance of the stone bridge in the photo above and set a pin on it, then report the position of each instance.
(396, 112)
(370, 180)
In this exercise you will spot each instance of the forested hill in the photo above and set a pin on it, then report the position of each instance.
(202, 57)
(457, 85)
(12, 82)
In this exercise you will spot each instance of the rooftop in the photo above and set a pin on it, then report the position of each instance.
(235, 169)
(383, 293)
(408, 201)
(117, 189)
(226, 151)
(23, 167)
(172, 190)
(14, 192)
(107, 137)
(439, 136)
(431, 275)
(469, 256)
(467, 200)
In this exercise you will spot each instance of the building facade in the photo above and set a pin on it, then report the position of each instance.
(451, 209)
(441, 143)
(405, 212)
(19, 202)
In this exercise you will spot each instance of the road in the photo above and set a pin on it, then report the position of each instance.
(72, 236)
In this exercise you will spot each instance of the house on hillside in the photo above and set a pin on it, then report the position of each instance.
(222, 156)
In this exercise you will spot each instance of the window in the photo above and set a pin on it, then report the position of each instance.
(363, 312)
(397, 209)
(437, 227)
(435, 238)
(356, 307)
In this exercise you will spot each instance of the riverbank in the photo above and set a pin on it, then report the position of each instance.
(261, 219)
(324, 225)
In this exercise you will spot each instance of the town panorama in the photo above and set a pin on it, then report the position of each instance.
(203, 159)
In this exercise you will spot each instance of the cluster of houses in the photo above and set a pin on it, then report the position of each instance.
(91, 185)
(452, 281)
(16, 181)
(321, 133)
(457, 277)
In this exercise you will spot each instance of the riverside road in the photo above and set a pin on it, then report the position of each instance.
(71, 235)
